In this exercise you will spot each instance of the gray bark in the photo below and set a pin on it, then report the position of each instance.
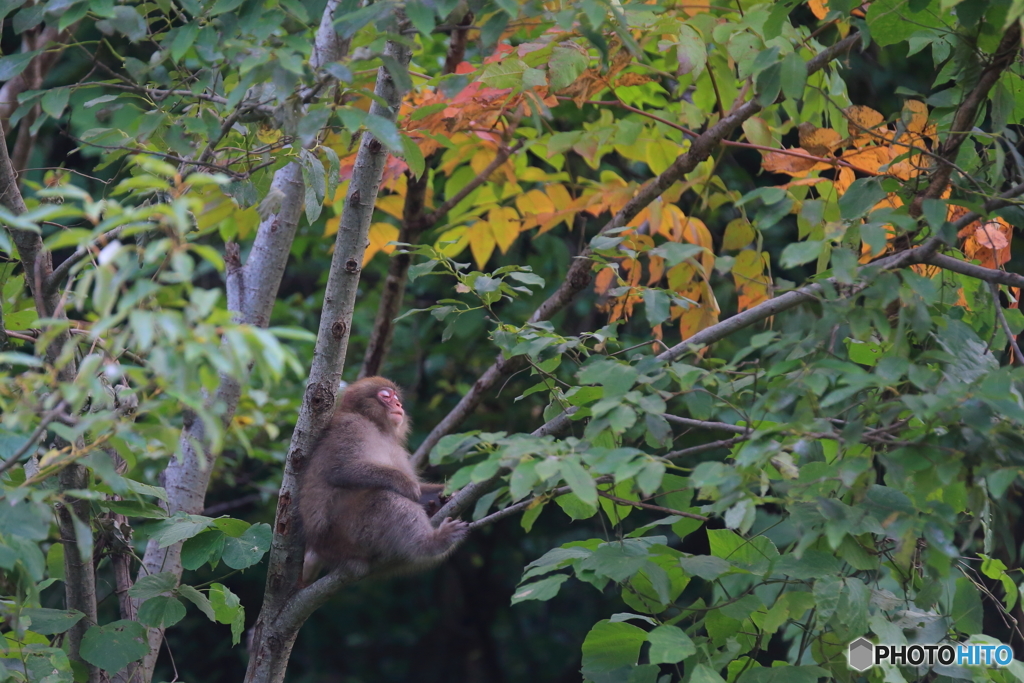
(284, 608)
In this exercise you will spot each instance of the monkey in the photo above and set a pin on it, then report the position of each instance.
(363, 508)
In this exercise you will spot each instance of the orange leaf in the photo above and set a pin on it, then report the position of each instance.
(791, 164)
(818, 7)
(988, 243)
(866, 125)
(748, 273)
(627, 80)
(818, 141)
(603, 281)
(868, 159)
(915, 115)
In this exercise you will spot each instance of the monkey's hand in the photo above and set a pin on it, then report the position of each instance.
(453, 531)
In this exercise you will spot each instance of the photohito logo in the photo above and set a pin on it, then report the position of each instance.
(863, 654)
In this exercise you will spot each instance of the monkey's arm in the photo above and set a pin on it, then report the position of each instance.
(363, 475)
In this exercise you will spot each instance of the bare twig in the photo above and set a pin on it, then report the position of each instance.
(704, 424)
(1018, 357)
(648, 506)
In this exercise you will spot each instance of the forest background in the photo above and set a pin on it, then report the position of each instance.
(705, 312)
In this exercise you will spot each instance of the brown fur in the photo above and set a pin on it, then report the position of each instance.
(360, 498)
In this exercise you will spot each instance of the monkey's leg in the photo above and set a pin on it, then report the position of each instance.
(311, 566)
(404, 534)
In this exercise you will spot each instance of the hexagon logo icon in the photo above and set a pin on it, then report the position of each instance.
(861, 654)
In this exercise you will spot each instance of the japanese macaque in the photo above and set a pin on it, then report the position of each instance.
(363, 507)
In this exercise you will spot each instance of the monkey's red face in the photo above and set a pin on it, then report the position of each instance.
(393, 405)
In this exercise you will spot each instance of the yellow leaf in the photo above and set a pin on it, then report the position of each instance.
(483, 157)
(247, 220)
(331, 226)
(535, 202)
(392, 204)
(504, 226)
(268, 135)
(481, 243)
(738, 234)
(380, 234)
(458, 239)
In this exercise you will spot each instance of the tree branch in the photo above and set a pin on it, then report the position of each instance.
(578, 276)
(966, 114)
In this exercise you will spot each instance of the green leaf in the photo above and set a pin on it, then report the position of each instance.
(967, 611)
(184, 38)
(313, 180)
(178, 528)
(769, 84)
(798, 253)
(617, 560)
(51, 621)
(227, 609)
(333, 170)
(115, 646)
(348, 24)
(578, 479)
(161, 611)
(794, 76)
(249, 548)
(197, 599)
(398, 72)
(413, 156)
(198, 550)
(126, 21)
(669, 644)
(565, 66)
(702, 673)
(421, 15)
(421, 269)
(692, 52)
(617, 378)
(385, 131)
(610, 646)
(860, 198)
(12, 65)
(542, 590)
(656, 305)
(508, 73)
(55, 101)
(863, 352)
(153, 585)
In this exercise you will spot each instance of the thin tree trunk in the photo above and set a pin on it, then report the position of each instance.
(278, 623)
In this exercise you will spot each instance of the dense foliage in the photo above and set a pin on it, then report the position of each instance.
(702, 311)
